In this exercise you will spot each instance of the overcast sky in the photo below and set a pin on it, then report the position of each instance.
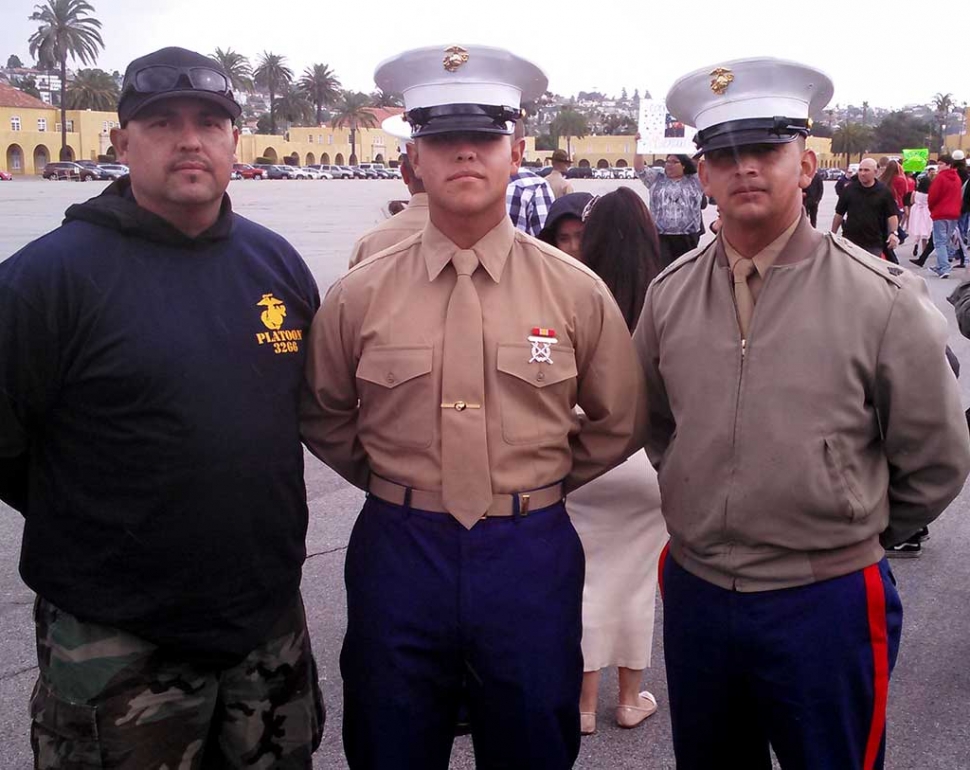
(582, 46)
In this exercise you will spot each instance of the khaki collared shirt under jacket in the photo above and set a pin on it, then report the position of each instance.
(375, 360)
(392, 231)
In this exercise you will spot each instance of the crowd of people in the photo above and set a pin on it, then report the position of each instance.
(556, 403)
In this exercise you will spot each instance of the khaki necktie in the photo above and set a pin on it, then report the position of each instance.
(466, 484)
(742, 270)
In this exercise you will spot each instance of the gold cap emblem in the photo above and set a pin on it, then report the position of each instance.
(454, 58)
(721, 78)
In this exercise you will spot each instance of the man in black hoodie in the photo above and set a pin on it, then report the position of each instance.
(151, 360)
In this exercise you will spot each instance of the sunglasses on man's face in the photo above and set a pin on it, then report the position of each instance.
(159, 78)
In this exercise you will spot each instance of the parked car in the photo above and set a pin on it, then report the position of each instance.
(113, 170)
(375, 167)
(364, 173)
(93, 171)
(579, 172)
(247, 171)
(336, 172)
(314, 172)
(394, 173)
(355, 173)
(5, 177)
(62, 170)
(601, 173)
(281, 171)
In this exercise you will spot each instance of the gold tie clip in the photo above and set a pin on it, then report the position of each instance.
(461, 406)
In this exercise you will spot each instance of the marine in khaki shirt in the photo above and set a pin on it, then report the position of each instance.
(376, 352)
(402, 225)
(444, 375)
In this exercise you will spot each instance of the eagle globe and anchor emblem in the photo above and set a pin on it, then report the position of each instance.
(274, 313)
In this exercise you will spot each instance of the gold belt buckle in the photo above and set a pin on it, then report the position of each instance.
(524, 505)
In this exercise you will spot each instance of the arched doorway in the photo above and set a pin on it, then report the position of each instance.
(15, 160)
(310, 159)
(293, 160)
(584, 163)
(379, 158)
(353, 160)
(111, 154)
(621, 163)
(325, 159)
(42, 156)
(339, 160)
(270, 154)
(67, 154)
(602, 163)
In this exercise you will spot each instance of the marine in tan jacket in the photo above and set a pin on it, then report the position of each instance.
(802, 415)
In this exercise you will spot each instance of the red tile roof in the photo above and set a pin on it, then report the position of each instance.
(12, 97)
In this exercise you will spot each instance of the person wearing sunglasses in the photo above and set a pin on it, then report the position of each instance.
(151, 358)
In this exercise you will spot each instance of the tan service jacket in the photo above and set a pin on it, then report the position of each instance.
(841, 423)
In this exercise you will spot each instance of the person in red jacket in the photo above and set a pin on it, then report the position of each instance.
(945, 199)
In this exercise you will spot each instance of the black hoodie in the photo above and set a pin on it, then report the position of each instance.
(149, 387)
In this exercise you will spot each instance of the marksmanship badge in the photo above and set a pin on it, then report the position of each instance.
(542, 341)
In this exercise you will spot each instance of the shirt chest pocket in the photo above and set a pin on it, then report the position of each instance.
(397, 394)
(536, 399)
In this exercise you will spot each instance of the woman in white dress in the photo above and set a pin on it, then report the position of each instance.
(618, 515)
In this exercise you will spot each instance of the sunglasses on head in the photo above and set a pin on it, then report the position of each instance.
(159, 78)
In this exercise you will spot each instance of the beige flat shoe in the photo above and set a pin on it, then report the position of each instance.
(631, 716)
(587, 722)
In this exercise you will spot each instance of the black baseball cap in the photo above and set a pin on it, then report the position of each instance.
(174, 72)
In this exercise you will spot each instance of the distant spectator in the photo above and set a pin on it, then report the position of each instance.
(557, 179)
(812, 196)
(564, 225)
(945, 200)
(676, 199)
(528, 196)
(920, 223)
(869, 211)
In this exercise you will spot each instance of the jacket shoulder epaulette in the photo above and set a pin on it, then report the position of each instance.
(887, 270)
(684, 259)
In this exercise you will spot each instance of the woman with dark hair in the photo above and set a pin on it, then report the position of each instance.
(564, 223)
(676, 199)
(618, 515)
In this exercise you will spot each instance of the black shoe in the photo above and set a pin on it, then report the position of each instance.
(922, 535)
(915, 250)
(905, 550)
(917, 262)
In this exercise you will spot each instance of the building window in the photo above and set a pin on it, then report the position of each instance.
(329, 138)
(14, 122)
(310, 138)
(70, 126)
(41, 124)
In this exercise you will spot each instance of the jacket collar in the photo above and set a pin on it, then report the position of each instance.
(492, 250)
(802, 245)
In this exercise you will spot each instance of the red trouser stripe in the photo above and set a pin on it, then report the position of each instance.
(879, 638)
(660, 568)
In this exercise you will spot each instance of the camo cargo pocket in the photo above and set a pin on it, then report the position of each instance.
(63, 735)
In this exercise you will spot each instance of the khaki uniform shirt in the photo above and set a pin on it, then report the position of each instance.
(375, 362)
(392, 231)
(559, 184)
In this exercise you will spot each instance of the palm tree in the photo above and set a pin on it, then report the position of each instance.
(942, 104)
(353, 111)
(321, 87)
(65, 30)
(272, 74)
(294, 107)
(851, 138)
(92, 89)
(237, 67)
(569, 123)
(382, 98)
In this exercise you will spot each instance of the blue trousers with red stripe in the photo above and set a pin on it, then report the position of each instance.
(438, 615)
(804, 670)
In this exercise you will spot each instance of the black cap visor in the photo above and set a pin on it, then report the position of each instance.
(739, 133)
(454, 118)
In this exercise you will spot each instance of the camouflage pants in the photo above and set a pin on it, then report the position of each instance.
(107, 699)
